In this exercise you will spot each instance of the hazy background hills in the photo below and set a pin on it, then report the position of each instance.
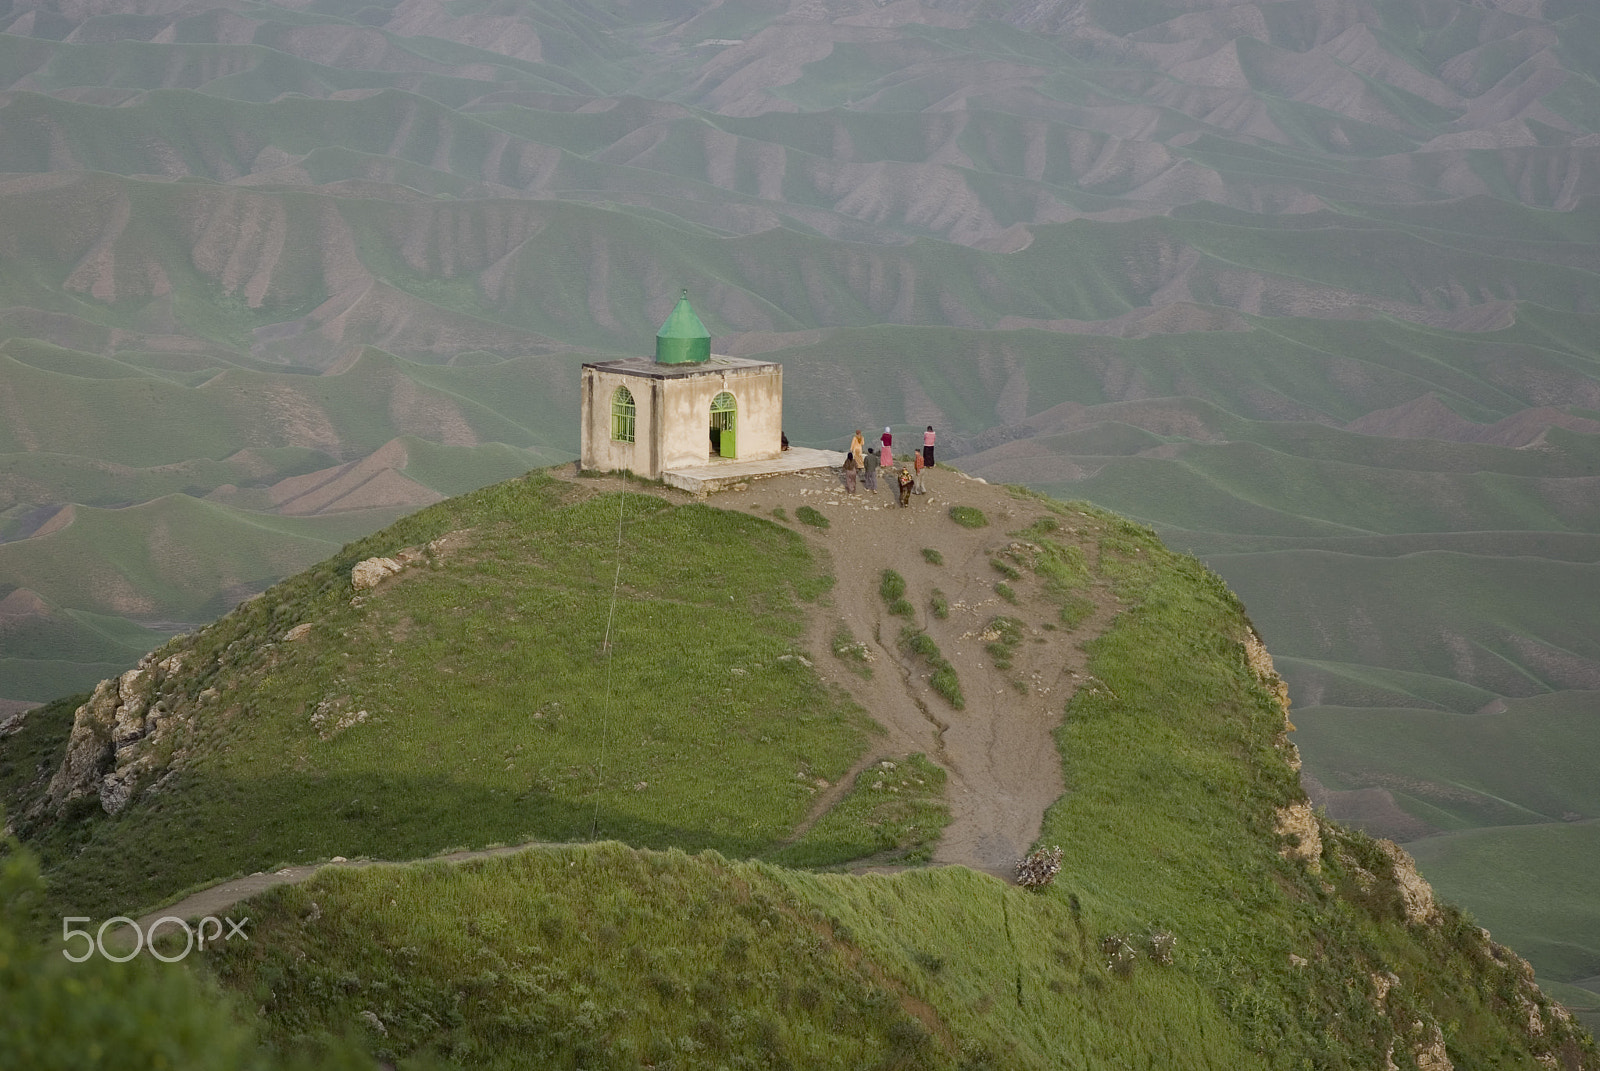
(1310, 285)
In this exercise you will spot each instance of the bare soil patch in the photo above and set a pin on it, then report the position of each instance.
(999, 751)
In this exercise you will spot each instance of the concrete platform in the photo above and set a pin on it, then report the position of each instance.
(718, 475)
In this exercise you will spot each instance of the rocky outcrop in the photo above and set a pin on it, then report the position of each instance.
(1430, 1053)
(372, 572)
(12, 723)
(1260, 662)
(130, 735)
(1297, 824)
(108, 753)
(368, 574)
(1416, 895)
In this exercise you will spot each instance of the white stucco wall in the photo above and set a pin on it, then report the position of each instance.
(686, 420)
(599, 450)
(672, 408)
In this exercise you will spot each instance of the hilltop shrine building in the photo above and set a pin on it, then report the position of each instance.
(684, 411)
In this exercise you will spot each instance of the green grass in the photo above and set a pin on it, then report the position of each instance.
(609, 956)
(561, 956)
(34, 752)
(931, 556)
(894, 814)
(968, 516)
(619, 959)
(943, 679)
(939, 604)
(494, 712)
(808, 515)
(1145, 770)
(56, 1014)
(892, 589)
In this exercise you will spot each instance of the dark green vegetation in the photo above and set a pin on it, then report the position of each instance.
(62, 1016)
(892, 590)
(943, 679)
(1309, 287)
(812, 516)
(968, 516)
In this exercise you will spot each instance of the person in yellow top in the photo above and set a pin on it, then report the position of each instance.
(856, 448)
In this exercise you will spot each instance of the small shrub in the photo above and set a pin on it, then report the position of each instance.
(1039, 868)
(1121, 956)
(1003, 590)
(780, 514)
(939, 604)
(946, 683)
(891, 585)
(1162, 943)
(932, 557)
(968, 517)
(892, 588)
(1005, 569)
(808, 515)
(944, 679)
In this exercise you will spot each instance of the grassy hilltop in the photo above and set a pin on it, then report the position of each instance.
(1308, 287)
(744, 709)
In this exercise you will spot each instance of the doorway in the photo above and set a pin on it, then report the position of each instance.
(724, 426)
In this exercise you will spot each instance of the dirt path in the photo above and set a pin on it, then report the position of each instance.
(999, 752)
(217, 899)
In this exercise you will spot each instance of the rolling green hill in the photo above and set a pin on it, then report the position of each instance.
(629, 675)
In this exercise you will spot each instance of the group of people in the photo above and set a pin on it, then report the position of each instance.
(868, 460)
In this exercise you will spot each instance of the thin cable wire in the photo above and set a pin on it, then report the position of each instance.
(605, 645)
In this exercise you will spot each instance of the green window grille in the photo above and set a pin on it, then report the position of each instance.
(622, 414)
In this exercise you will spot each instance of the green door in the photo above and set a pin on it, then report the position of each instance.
(724, 414)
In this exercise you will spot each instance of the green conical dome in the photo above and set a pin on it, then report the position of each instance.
(683, 339)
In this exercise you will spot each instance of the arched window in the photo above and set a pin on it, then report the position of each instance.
(723, 408)
(622, 415)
